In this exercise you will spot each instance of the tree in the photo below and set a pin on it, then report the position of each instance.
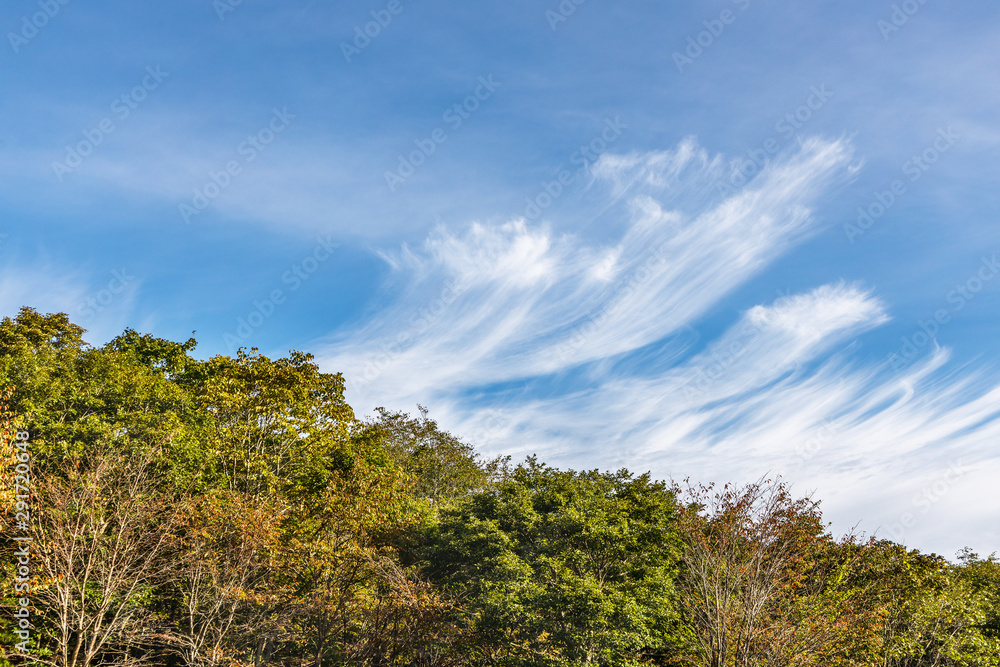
(982, 576)
(103, 533)
(166, 356)
(562, 567)
(31, 330)
(442, 467)
(73, 397)
(335, 544)
(761, 581)
(233, 511)
(930, 613)
(407, 622)
(225, 551)
(273, 422)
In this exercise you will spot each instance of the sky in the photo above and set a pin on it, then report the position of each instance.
(721, 239)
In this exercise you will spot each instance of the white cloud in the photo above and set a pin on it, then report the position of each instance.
(548, 337)
(527, 302)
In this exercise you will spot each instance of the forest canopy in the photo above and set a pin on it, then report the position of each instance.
(236, 511)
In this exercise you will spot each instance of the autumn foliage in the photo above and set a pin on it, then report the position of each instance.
(234, 511)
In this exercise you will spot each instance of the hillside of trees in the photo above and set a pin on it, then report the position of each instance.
(236, 511)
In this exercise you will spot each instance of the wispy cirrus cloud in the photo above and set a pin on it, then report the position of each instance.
(528, 301)
(586, 351)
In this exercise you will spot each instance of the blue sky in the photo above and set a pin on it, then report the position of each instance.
(614, 234)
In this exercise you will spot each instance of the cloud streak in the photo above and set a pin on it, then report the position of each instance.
(533, 302)
(585, 353)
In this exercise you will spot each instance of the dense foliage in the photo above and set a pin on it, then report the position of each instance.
(235, 511)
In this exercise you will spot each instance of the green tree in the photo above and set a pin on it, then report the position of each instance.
(982, 576)
(74, 397)
(442, 467)
(562, 568)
